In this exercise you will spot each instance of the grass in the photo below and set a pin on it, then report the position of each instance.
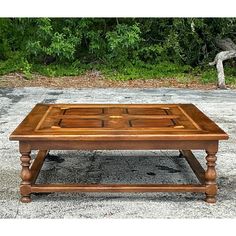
(210, 75)
(146, 71)
(57, 70)
(141, 70)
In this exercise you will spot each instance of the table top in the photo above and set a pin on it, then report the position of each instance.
(117, 122)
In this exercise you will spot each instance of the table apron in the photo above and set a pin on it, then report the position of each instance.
(121, 145)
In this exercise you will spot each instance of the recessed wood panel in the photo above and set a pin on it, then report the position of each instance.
(146, 111)
(152, 123)
(108, 118)
(83, 111)
(80, 123)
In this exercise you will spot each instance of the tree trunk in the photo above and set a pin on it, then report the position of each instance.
(229, 52)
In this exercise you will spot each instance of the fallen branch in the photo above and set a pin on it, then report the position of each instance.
(229, 52)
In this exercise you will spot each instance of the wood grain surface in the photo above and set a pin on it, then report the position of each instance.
(118, 122)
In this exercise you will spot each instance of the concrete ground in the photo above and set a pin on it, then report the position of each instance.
(117, 166)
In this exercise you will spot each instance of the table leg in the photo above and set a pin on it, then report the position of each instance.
(25, 187)
(210, 177)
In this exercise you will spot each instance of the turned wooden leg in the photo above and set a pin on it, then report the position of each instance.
(210, 177)
(25, 187)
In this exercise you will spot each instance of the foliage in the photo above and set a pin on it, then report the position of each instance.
(67, 69)
(147, 71)
(210, 75)
(124, 47)
(123, 43)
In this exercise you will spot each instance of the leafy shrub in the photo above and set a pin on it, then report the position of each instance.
(30, 44)
(48, 44)
(123, 42)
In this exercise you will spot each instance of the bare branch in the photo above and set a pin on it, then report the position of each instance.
(229, 52)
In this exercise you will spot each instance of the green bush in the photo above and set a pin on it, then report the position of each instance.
(16, 63)
(123, 43)
(157, 46)
(147, 71)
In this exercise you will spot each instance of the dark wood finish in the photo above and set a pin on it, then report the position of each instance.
(120, 127)
(195, 165)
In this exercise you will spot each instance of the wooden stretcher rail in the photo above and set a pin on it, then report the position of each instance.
(195, 165)
(118, 188)
(191, 159)
(37, 165)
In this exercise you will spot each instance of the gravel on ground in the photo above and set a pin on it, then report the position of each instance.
(94, 80)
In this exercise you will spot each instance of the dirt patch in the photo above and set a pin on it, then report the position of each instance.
(91, 80)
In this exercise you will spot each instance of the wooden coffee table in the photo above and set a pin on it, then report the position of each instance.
(118, 127)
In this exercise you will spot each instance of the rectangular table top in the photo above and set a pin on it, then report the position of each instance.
(117, 122)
